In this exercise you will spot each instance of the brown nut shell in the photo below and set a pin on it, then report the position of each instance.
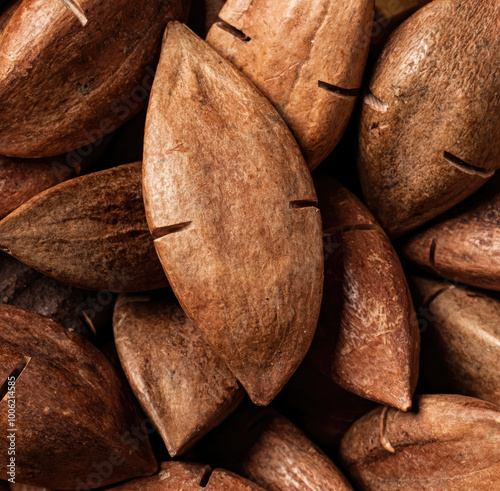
(231, 203)
(429, 132)
(71, 409)
(451, 443)
(284, 459)
(307, 57)
(89, 232)
(180, 382)
(464, 246)
(464, 326)
(367, 339)
(73, 71)
(184, 476)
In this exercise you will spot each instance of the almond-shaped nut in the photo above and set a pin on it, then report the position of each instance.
(184, 476)
(367, 339)
(89, 232)
(231, 204)
(21, 179)
(451, 443)
(429, 132)
(81, 311)
(180, 382)
(465, 245)
(72, 412)
(284, 459)
(464, 325)
(72, 71)
(307, 57)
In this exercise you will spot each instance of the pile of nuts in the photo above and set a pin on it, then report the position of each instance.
(184, 305)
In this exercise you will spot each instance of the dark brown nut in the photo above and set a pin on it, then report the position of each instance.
(21, 179)
(25, 487)
(465, 245)
(183, 476)
(73, 71)
(306, 57)
(231, 203)
(89, 232)
(71, 409)
(429, 133)
(180, 382)
(451, 443)
(80, 311)
(464, 326)
(325, 409)
(284, 459)
(367, 339)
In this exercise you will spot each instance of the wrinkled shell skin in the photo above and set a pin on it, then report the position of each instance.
(71, 408)
(433, 103)
(231, 203)
(465, 328)
(61, 84)
(77, 310)
(465, 246)
(294, 46)
(89, 232)
(451, 443)
(183, 476)
(182, 385)
(284, 459)
(367, 339)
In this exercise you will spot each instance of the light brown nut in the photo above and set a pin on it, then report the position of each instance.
(183, 476)
(74, 70)
(429, 133)
(71, 409)
(231, 203)
(451, 443)
(284, 459)
(307, 57)
(180, 382)
(464, 246)
(90, 232)
(464, 326)
(367, 339)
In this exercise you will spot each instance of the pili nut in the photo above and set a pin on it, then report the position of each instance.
(451, 443)
(306, 57)
(464, 246)
(21, 179)
(465, 326)
(326, 409)
(89, 232)
(367, 339)
(69, 76)
(284, 459)
(184, 476)
(231, 204)
(429, 132)
(71, 408)
(80, 311)
(180, 382)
